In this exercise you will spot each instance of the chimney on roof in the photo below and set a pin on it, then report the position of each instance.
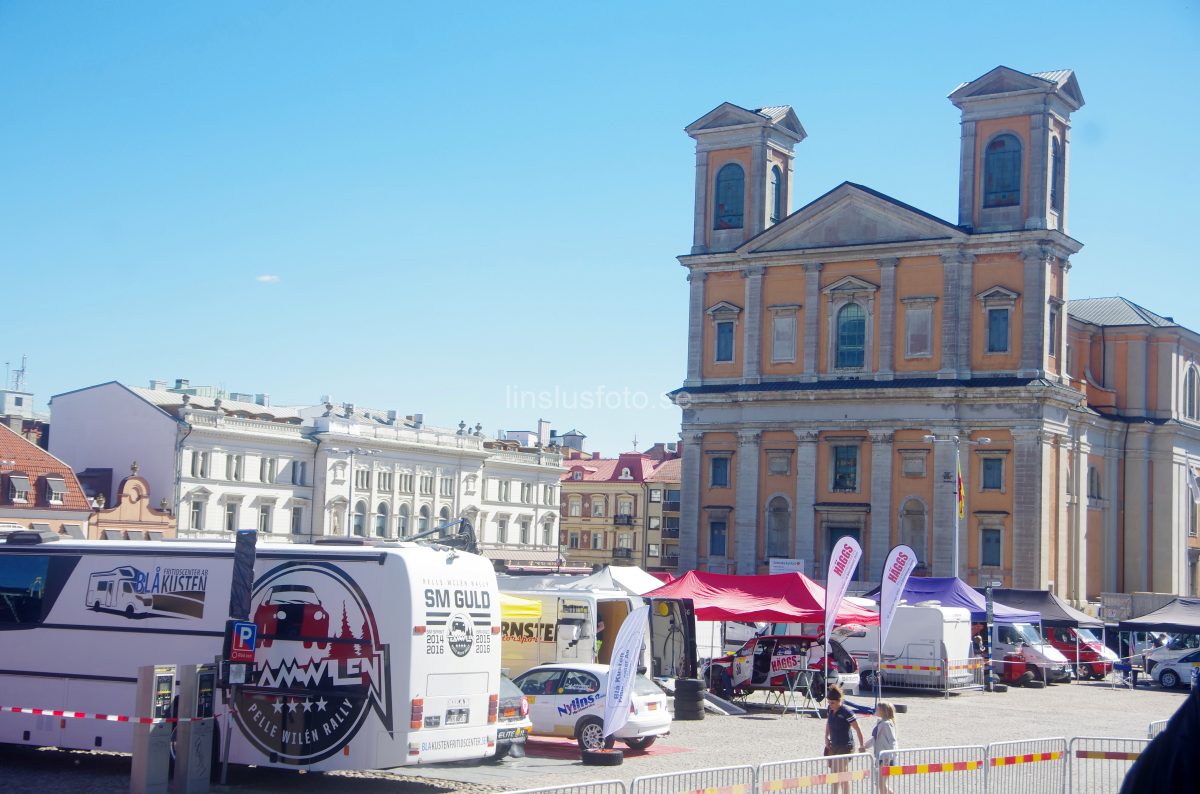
(595, 456)
(158, 385)
(348, 409)
(181, 383)
(392, 417)
(263, 400)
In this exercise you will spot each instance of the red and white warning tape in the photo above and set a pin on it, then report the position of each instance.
(83, 715)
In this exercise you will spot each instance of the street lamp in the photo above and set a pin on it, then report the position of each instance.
(352, 451)
(958, 441)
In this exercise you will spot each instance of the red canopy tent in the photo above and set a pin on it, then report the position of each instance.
(778, 598)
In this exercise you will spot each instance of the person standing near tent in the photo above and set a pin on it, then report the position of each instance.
(837, 733)
(883, 736)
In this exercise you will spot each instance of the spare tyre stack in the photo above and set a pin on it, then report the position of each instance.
(689, 699)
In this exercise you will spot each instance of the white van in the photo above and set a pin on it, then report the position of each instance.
(924, 640)
(566, 630)
(1046, 662)
(369, 656)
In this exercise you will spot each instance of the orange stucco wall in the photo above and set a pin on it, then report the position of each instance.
(783, 286)
(717, 159)
(728, 286)
(985, 130)
(772, 485)
(904, 488)
(723, 497)
(918, 276)
(996, 270)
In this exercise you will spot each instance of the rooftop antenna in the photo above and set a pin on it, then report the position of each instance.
(18, 377)
(635, 442)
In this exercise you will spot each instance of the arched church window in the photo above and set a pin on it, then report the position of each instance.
(1056, 175)
(1191, 385)
(381, 520)
(1002, 172)
(912, 529)
(1093, 491)
(851, 337)
(779, 519)
(777, 209)
(730, 196)
(360, 519)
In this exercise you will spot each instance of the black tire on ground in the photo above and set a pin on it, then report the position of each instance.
(1036, 684)
(901, 708)
(602, 757)
(641, 742)
(1169, 679)
(686, 686)
(688, 712)
(817, 687)
(590, 735)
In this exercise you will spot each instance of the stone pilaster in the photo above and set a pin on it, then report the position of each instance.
(746, 505)
(1030, 519)
(700, 232)
(1136, 556)
(1112, 543)
(881, 504)
(1038, 194)
(756, 211)
(752, 335)
(689, 500)
(951, 309)
(888, 329)
(695, 350)
(1033, 314)
(941, 555)
(966, 175)
(812, 318)
(806, 496)
(1079, 585)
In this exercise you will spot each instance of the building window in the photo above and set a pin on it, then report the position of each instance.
(384, 481)
(381, 520)
(777, 208)
(56, 490)
(233, 468)
(526, 493)
(1191, 387)
(997, 330)
(918, 332)
(779, 522)
(625, 474)
(851, 337)
(653, 522)
(18, 489)
(716, 538)
(575, 506)
(597, 541)
(573, 540)
(597, 507)
(502, 530)
(718, 472)
(725, 341)
(1002, 172)
(444, 517)
(912, 529)
(624, 506)
(266, 470)
(505, 490)
(359, 525)
(1056, 175)
(406, 483)
(730, 196)
(991, 551)
(1052, 331)
(651, 549)
(783, 335)
(299, 472)
(845, 469)
(197, 514)
(264, 519)
(231, 516)
(551, 496)
(427, 485)
(423, 519)
(655, 494)
(402, 521)
(199, 463)
(525, 532)
(993, 474)
(297, 520)
(779, 461)
(362, 479)
(548, 535)
(1093, 486)
(447, 486)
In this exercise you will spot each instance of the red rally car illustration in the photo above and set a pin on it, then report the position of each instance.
(292, 612)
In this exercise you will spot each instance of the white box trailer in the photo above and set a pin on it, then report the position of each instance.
(369, 656)
(924, 638)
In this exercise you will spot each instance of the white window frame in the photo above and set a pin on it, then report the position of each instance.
(997, 298)
(914, 308)
(783, 316)
(838, 295)
(724, 312)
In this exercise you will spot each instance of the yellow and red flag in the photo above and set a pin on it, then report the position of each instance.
(961, 494)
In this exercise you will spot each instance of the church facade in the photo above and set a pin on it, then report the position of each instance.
(852, 362)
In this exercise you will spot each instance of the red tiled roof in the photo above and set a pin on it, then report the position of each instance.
(26, 459)
(609, 469)
(667, 471)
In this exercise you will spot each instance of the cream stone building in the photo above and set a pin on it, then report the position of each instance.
(845, 358)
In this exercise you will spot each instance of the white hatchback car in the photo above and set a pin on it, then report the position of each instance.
(1174, 672)
(568, 700)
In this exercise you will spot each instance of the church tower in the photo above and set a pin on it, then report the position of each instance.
(743, 173)
(1015, 149)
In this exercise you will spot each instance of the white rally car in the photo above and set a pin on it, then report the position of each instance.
(568, 700)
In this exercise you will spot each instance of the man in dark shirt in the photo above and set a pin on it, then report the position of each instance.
(837, 733)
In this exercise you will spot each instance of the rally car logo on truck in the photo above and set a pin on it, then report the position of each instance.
(322, 669)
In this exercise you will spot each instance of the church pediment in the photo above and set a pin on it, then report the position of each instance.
(851, 215)
(1003, 80)
(726, 114)
(850, 285)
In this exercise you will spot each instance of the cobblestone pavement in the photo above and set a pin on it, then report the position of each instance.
(1084, 709)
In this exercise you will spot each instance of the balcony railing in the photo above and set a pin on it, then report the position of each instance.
(670, 507)
(622, 554)
(623, 520)
(670, 532)
(670, 560)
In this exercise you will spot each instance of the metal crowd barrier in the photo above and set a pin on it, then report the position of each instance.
(935, 770)
(721, 780)
(1156, 728)
(856, 771)
(1027, 765)
(598, 787)
(932, 675)
(1098, 765)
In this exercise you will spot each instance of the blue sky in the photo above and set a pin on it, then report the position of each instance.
(475, 213)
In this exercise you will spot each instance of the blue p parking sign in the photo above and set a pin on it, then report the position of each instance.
(244, 638)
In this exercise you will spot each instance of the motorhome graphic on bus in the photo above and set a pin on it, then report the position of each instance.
(298, 655)
(163, 592)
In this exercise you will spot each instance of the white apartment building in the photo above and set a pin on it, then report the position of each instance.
(300, 473)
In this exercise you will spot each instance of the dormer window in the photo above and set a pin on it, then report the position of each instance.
(576, 476)
(729, 197)
(625, 474)
(1002, 172)
(56, 490)
(18, 488)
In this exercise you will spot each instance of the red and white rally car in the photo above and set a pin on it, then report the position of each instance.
(292, 612)
(767, 662)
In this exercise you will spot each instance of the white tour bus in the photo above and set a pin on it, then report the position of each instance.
(369, 656)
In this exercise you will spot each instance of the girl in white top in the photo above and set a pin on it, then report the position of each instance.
(883, 736)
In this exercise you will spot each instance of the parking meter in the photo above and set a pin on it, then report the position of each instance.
(151, 766)
(194, 739)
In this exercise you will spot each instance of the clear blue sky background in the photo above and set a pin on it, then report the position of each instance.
(468, 209)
